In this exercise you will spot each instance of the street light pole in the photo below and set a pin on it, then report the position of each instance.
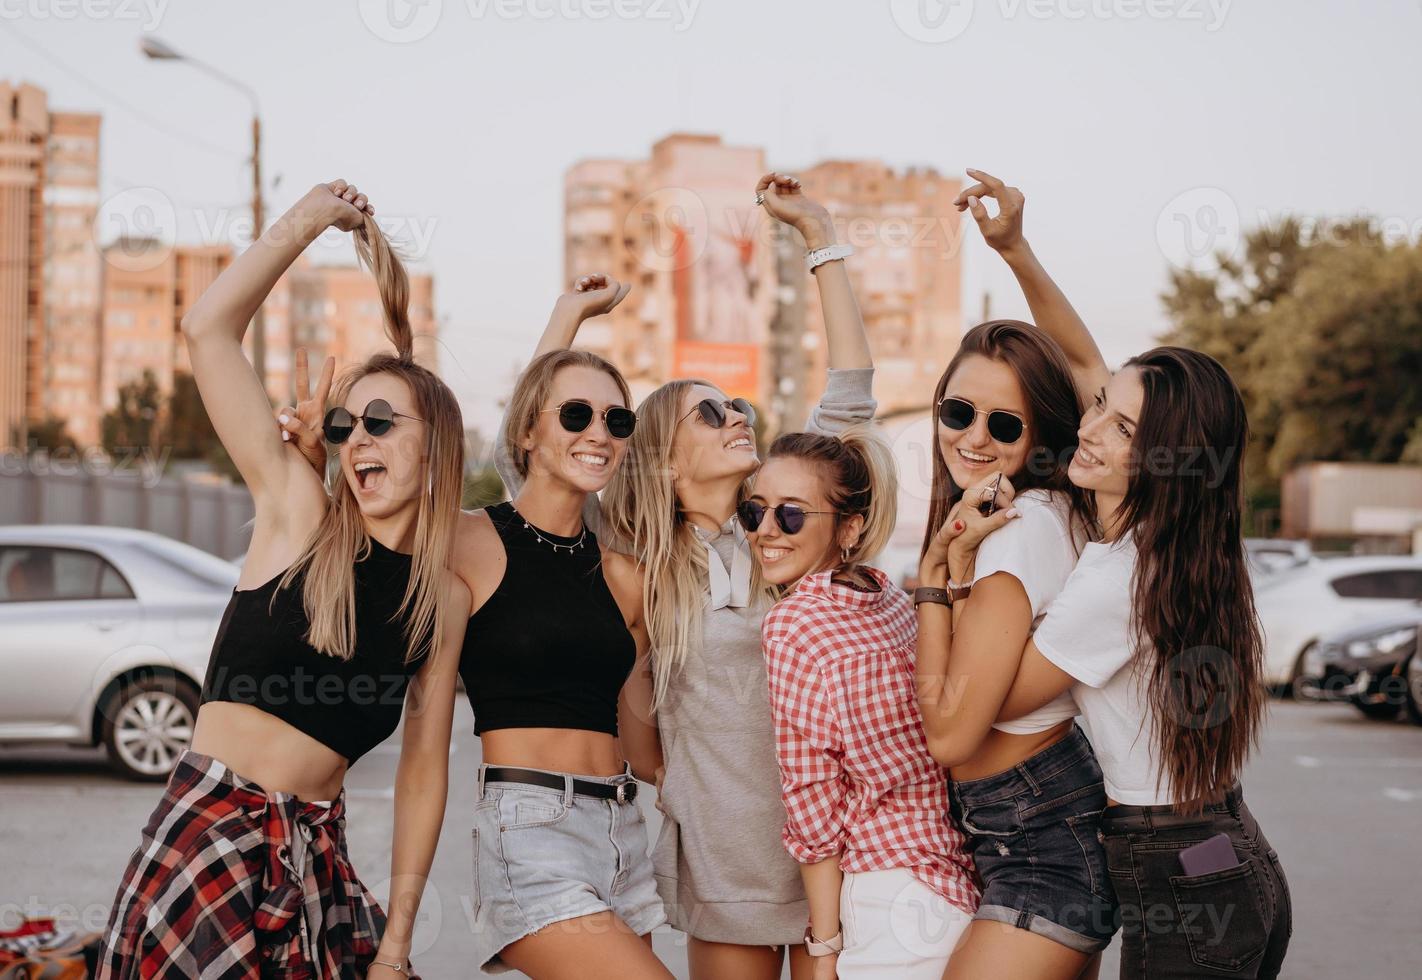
(156, 49)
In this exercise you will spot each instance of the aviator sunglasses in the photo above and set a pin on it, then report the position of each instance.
(713, 413)
(377, 418)
(790, 517)
(575, 416)
(958, 414)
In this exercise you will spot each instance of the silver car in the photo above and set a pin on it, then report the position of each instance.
(105, 635)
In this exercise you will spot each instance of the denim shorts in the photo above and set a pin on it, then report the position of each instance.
(1034, 833)
(546, 855)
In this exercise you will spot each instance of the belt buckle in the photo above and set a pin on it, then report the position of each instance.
(623, 796)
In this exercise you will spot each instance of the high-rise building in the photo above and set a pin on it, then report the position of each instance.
(49, 265)
(719, 290)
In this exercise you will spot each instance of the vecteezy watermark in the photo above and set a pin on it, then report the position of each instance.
(149, 13)
(136, 228)
(937, 21)
(407, 21)
(1197, 225)
(148, 461)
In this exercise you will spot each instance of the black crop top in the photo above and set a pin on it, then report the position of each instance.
(261, 658)
(550, 648)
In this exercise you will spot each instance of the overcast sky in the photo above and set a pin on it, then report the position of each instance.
(1130, 124)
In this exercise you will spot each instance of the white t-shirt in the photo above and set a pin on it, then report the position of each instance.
(1038, 550)
(1087, 633)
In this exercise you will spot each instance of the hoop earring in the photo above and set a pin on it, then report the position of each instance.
(844, 556)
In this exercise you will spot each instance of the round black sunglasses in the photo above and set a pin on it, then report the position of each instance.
(576, 415)
(790, 517)
(377, 419)
(714, 413)
(958, 414)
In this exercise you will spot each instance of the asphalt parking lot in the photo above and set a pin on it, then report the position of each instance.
(1339, 796)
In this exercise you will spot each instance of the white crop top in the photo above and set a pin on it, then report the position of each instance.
(1039, 550)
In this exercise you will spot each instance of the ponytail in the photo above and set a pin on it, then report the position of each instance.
(861, 479)
(376, 254)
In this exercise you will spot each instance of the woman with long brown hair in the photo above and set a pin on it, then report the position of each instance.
(345, 612)
(727, 883)
(1156, 637)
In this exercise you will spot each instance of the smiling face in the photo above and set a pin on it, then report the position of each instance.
(585, 459)
(702, 453)
(1104, 460)
(972, 454)
(387, 472)
(786, 558)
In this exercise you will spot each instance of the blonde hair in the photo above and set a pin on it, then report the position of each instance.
(532, 390)
(859, 478)
(642, 514)
(340, 539)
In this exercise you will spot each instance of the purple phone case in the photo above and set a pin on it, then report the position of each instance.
(1215, 854)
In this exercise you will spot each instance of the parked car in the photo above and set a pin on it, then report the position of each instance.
(1300, 605)
(1270, 555)
(1368, 666)
(105, 635)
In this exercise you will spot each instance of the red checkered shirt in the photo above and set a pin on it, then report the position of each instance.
(855, 770)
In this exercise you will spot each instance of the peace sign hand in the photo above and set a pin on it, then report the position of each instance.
(1003, 231)
(302, 424)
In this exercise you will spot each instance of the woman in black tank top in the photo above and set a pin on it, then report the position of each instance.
(345, 601)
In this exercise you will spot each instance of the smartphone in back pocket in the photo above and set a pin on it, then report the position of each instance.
(1215, 854)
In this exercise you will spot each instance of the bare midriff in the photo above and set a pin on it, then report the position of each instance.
(1000, 751)
(263, 749)
(569, 750)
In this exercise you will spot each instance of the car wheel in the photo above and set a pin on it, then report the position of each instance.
(1382, 711)
(148, 723)
(1296, 688)
(1412, 673)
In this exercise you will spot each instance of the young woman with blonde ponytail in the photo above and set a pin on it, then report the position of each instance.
(344, 614)
(721, 871)
(890, 885)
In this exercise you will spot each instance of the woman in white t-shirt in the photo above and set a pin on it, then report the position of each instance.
(1156, 638)
(1027, 792)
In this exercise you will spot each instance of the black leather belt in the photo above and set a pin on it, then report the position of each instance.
(623, 790)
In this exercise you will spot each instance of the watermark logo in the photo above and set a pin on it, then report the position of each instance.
(932, 21)
(401, 21)
(666, 229)
(1197, 225)
(136, 228)
(148, 13)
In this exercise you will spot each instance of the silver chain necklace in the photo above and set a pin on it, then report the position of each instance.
(569, 548)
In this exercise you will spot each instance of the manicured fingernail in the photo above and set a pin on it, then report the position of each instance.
(283, 419)
(972, 200)
(957, 525)
(286, 437)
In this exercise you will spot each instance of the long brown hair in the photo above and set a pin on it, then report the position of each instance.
(1054, 412)
(859, 478)
(340, 539)
(1193, 606)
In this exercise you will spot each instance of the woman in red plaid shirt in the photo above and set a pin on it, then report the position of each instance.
(891, 889)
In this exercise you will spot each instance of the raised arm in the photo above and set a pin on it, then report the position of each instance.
(1051, 310)
(845, 339)
(232, 394)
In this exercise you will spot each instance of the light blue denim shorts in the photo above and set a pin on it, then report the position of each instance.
(544, 855)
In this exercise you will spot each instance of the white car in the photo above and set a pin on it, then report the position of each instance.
(105, 635)
(1299, 605)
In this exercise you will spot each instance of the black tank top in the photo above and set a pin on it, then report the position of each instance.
(550, 648)
(261, 658)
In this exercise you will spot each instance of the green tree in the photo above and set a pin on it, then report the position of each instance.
(51, 433)
(482, 488)
(133, 423)
(1321, 327)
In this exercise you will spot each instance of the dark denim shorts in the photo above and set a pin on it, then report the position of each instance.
(1034, 833)
(1230, 923)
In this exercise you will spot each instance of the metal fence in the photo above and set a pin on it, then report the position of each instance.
(210, 516)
